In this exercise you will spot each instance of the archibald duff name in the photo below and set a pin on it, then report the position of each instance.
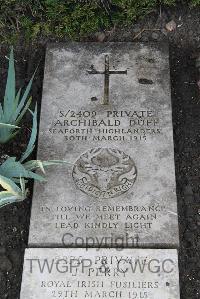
(114, 126)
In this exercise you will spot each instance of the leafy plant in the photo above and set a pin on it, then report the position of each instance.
(14, 105)
(60, 18)
(12, 192)
(14, 173)
(195, 2)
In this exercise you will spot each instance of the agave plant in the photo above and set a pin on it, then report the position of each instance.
(14, 105)
(14, 174)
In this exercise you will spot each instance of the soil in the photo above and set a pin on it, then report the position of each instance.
(184, 49)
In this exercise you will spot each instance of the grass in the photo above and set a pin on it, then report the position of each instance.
(35, 19)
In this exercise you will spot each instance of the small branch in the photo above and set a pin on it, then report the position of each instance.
(145, 29)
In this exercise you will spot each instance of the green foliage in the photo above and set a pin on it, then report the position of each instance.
(57, 18)
(168, 2)
(195, 2)
(12, 192)
(31, 144)
(14, 173)
(14, 105)
(60, 18)
(129, 10)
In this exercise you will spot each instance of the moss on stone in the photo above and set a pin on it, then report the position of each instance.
(33, 19)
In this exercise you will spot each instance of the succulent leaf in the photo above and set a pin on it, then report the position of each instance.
(14, 106)
(13, 193)
(31, 144)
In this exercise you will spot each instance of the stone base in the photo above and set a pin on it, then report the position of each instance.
(100, 273)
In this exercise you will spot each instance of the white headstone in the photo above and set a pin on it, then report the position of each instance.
(105, 273)
(106, 110)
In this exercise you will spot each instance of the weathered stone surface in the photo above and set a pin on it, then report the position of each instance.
(105, 273)
(119, 182)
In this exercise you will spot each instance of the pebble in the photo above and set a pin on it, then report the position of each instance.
(155, 35)
(143, 38)
(5, 263)
(15, 257)
(198, 223)
(192, 225)
(164, 31)
(171, 26)
(3, 288)
(189, 236)
(190, 210)
(197, 62)
(2, 250)
(198, 84)
(188, 195)
(100, 36)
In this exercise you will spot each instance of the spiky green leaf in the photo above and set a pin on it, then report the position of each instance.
(10, 87)
(24, 97)
(13, 193)
(14, 106)
(24, 110)
(9, 126)
(32, 140)
(9, 185)
(13, 169)
(35, 164)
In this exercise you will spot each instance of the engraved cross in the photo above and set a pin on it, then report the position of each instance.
(107, 72)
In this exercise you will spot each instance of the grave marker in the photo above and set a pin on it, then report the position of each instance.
(119, 183)
(105, 273)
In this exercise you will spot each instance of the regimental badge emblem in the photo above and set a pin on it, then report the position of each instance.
(104, 172)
